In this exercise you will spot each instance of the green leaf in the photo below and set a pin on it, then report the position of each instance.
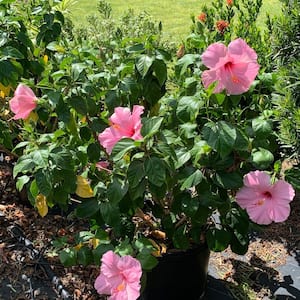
(183, 155)
(116, 190)
(192, 180)
(43, 182)
(122, 147)
(87, 208)
(11, 52)
(85, 256)
(94, 152)
(124, 248)
(68, 257)
(40, 157)
(151, 126)
(217, 239)
(21, 181)
(24, 164)
(135, 173)
(180, 238)
(77, 69)
(147, 261)
(261, 158)
(155, 170)
(110, 214)
(188, 108)
(143, 64)
(229, 180)
(221, 136)
(262, 127)
(293, 177)
(79, 104)
(160, 70)
(186, 61)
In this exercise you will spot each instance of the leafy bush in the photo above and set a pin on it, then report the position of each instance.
(154, 160)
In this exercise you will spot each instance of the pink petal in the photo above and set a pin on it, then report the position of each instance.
(23, 102)
(257, 178)
(121, 116)
(102, 285)
(211, 76)
(136, 113)
(109, 264)
(241, 52)
(280, 212)
(237, 78)
(108, 138)
(259, 214)
(247, 196)
(283, 191)
(24, 90)
(215, 55)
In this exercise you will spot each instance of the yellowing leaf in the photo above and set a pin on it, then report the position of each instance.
(83, 189)
(33, 116)
(41, 205)
(45, 58)
(4, 90)
(78, 246)
(94, 242)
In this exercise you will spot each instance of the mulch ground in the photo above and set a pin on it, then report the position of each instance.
(23, 276)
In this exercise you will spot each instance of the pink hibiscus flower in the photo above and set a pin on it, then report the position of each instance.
(234, 68)
(119, 277)
(23, 102)
(265, 202)
(124, 124)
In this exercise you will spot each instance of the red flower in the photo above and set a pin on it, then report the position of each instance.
(202, 17)
(221, 25)
(229, 2)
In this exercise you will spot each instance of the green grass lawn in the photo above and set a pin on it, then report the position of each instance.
(175, 15)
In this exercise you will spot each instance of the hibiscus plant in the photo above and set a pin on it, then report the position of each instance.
(155, 154)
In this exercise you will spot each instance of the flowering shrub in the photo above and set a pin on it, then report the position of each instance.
(154, 161)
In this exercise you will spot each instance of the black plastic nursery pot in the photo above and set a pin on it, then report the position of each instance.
(178, 276)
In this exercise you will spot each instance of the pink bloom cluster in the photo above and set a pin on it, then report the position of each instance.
(265, 202)
(124, 124)
(23, 102)
(119, 277)
(234, 68)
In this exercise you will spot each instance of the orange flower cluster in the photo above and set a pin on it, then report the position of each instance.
(202, 17)
(229, 2)
(221, 25)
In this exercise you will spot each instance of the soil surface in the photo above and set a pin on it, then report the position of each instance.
(28, 265)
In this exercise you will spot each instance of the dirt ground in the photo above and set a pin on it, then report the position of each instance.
(24, 273)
